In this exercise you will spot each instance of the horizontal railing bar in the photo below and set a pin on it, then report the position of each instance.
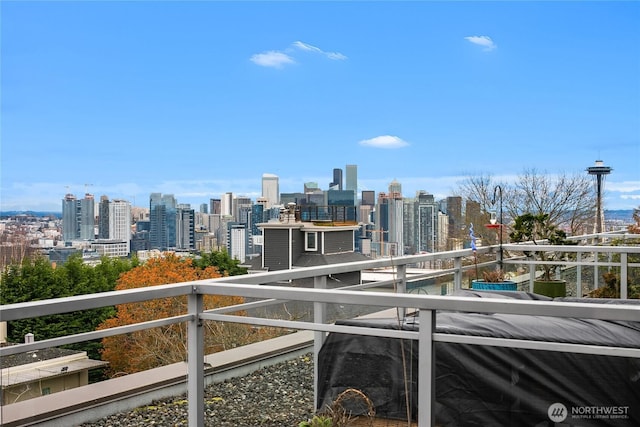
(570, 248)
(441, 337)
(539, 345)
(430, 302)
(324, 327)
(575, 263)
(94, 335)
(24, 310)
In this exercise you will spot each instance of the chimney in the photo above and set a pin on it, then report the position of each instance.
(29, 338)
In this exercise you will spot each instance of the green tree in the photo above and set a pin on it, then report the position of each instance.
(226, 265)
(36, 279)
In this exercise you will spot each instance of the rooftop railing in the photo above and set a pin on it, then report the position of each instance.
(264, 289)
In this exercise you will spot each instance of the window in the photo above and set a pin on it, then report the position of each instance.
(311, 241)
(46, 391)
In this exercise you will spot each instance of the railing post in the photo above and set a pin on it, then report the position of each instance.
(623, 276)
(532, 274)
(319, 316)
(457, 274)
(195, 360)
(596, 271)
(401, 288)
(579, 275)
(426, 369)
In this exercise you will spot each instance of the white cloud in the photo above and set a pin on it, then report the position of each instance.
(623, 186)
(384, 141)
(336, 56)
(484, 41)
(279, 59)
(305, 46)
(272, 58)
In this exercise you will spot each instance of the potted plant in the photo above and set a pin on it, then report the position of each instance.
(536, 228)
(494, 280)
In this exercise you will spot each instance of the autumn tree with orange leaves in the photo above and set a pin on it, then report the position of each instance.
(142, 350)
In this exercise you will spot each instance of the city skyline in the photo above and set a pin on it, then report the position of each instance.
(197, 99)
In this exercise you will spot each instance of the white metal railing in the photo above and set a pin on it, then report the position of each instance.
(261, 287)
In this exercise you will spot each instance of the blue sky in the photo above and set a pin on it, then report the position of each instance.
(201, 98)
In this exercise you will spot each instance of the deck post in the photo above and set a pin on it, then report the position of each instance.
(457, 274)
(624, 288)
(401, 288)
(426, 369)
(319, 316)
(195, 360)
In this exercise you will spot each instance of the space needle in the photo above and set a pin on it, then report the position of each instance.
(599, 170)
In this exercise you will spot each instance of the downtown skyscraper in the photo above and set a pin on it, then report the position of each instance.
(162, 218)
(78, 218)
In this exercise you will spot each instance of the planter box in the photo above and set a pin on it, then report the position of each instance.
(553, 288)
(506, 285)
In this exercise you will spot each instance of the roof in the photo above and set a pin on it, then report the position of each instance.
(47, 363)
(28, 357)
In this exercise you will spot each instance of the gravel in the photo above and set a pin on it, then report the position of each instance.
(278, 395)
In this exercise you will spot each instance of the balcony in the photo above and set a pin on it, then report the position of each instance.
(397, 284)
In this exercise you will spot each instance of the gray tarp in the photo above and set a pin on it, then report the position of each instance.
(493, 386)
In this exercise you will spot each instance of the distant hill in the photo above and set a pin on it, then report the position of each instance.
(625, 215)
(5, 214)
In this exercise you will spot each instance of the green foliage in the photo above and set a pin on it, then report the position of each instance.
(317, 421)
(226, 265)
(534, 228)
(36, 279)
(611, 277)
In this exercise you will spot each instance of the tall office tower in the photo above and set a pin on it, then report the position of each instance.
(367, 205)
(351, 180)
(157, 222)
(317, 198)
(226, 204)
(69, 220)
(171, 203)
(336, 184)
(395, 189)
(599, 171)
(454, 212)
(310, 187)
(368, 198)
(103, 218)
(87, 218)
(297, 198)
(257, 217)
(472, 215)
(242, 209)
(185, 227)
(162, 215)
(426, 221)
(214, 206)
(341, 205)
(120, 221)
(389, 221)
(204, 208)
(236, 241)
(78, 218)
(443, 232)
(409, 219)
(271, 189)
